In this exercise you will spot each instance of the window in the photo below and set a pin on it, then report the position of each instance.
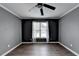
(40, 30)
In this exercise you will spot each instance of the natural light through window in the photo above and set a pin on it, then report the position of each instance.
(40, 30)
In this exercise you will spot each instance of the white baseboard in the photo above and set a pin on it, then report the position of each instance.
(11, 49)
(69, 49)
(37, 42)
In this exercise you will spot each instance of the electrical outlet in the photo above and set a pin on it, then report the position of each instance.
(71, 45)
(8, 45)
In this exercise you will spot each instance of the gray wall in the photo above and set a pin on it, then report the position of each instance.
(69, 30)
(10, 31)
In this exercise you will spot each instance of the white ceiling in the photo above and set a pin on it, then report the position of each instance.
(22, 10)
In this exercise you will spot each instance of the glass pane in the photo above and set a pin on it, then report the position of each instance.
(36, 25)
(36, 34)
(43, 34)
(43, 26)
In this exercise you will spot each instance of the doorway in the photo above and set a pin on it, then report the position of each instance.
(40, 31)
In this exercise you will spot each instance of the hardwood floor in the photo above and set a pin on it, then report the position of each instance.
(37, 49)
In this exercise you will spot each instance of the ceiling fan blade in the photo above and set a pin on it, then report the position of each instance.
(48, 6)
(39, 3)
(32, 8)
(41, 10)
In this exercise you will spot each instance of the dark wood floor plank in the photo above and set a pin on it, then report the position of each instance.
(40, 49)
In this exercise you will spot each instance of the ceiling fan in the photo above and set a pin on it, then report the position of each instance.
(41, 5)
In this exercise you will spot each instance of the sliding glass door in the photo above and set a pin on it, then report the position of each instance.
(40, 30)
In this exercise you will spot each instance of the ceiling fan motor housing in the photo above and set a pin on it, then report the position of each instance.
(39, 5)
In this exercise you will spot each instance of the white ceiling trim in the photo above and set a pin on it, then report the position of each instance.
(9, 11)
(70, 10)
